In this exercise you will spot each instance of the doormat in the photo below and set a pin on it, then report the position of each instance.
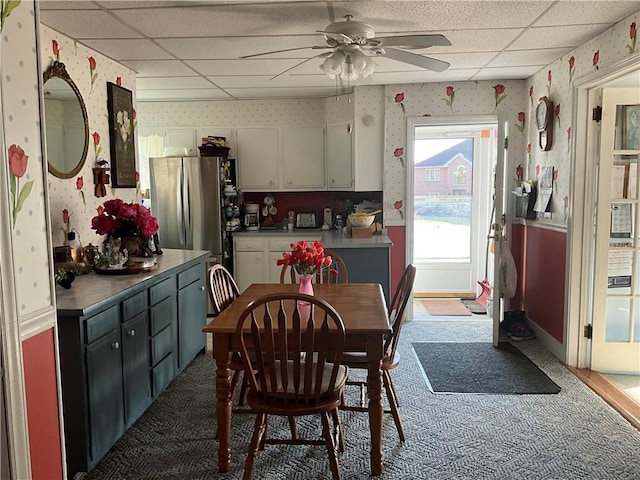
(473, 306)
(481, 368)
(445, 307)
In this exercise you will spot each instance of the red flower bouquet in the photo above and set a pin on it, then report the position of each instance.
(126, 220)
(306, 259)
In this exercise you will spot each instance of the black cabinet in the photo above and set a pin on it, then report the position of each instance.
(105, 392)
(192, 314)
(368, 265)
(118, 355)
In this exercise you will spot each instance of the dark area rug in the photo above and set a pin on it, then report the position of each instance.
(481, 368)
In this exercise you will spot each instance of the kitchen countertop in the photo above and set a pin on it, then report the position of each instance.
(88, 291)
(329, 238)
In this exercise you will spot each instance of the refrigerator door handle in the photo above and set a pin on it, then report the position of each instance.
(179, 206)
(187, 213)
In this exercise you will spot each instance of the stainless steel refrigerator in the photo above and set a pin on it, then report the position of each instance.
(187, 200)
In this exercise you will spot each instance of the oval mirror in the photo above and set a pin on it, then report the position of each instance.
(66, 123)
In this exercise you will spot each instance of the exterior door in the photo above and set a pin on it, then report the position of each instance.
(452, 190)
(616, 307)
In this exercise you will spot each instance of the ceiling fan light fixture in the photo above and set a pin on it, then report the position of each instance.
(332, 65)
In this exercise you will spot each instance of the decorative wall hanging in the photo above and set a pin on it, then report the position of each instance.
(123, 155)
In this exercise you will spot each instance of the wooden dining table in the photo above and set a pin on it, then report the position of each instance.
(364, 313)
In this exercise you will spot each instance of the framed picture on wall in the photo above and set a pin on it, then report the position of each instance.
(122, 148)
(631, 127)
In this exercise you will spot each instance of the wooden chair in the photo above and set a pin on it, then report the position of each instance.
(292, 353)
(358, 360)
(223, 291)
(324, 276)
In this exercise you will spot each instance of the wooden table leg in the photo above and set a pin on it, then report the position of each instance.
(374, 389)
(223, 401)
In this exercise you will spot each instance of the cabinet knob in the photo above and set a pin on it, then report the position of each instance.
(115, 345)
(289, 182)
(202, 288)
(131, 333)
(333, 180)
(272, 182)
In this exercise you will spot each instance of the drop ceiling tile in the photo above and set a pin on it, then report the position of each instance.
(84, 24)
(285, 81)
(528, 57)
(506, 73)
(158, 68)
(168, 83)
(177, 95)
(434, 16)
(130, 49)
(245, 67)
(233, 48)
(253, 93)
(229, 19)
(549, 37)
(585, 12)
(423, 77)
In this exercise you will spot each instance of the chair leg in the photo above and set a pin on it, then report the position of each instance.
(393, 403)
(244, 388)
(256, 439)
(292, 427)
(331, 447)
(337, 430)
(264, 435)
(393, 387)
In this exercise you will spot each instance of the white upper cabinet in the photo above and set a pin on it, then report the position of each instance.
(303, 157)
(176, 139)
(258, 154)
(339, 157)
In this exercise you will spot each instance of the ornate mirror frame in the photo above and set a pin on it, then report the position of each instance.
(58, 70)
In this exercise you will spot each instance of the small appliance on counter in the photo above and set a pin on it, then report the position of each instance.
(306, 220)
(327, 222)
(252, 216)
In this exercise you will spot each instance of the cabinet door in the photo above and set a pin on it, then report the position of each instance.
(339, 157)
(135, 354)
(181, 137)
(192, 317)
(303, 157)
(104, 381)
(249, 267)
(258, 154)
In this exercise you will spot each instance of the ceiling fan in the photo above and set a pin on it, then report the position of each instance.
(351, 43)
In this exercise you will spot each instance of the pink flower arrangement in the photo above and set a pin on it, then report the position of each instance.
(120, 219)
(306, 259)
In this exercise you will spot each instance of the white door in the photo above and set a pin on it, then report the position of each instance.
(616, 307)
(451, 187)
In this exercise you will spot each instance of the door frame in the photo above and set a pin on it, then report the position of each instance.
(582, 192)
(500, 125)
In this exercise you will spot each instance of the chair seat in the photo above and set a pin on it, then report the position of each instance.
(341, 378)
(359, 360)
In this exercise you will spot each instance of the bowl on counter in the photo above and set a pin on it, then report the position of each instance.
(361, 219)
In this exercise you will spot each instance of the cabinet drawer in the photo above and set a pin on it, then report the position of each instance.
(191, 275)
(161, 345)
(163, 373)
(102, 323)
(249, 245)
(134, 305)
(163, 314)
(162, 290)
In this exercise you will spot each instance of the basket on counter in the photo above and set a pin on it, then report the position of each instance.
(214, 151)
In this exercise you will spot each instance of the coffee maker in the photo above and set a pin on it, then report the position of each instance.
(252, 216)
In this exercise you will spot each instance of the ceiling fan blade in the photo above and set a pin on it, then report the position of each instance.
(410, 41)
(414, 59)
(325, 54)
(315, 47)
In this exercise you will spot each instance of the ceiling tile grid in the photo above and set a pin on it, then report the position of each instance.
(169, 40)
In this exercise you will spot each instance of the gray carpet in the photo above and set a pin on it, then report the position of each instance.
(571, 435)
(481, 368)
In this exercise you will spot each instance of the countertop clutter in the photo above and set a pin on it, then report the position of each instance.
(329, 238)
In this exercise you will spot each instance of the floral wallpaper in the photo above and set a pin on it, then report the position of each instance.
(441, 99)
(90, 71)
(22, 156)
(556, 82)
